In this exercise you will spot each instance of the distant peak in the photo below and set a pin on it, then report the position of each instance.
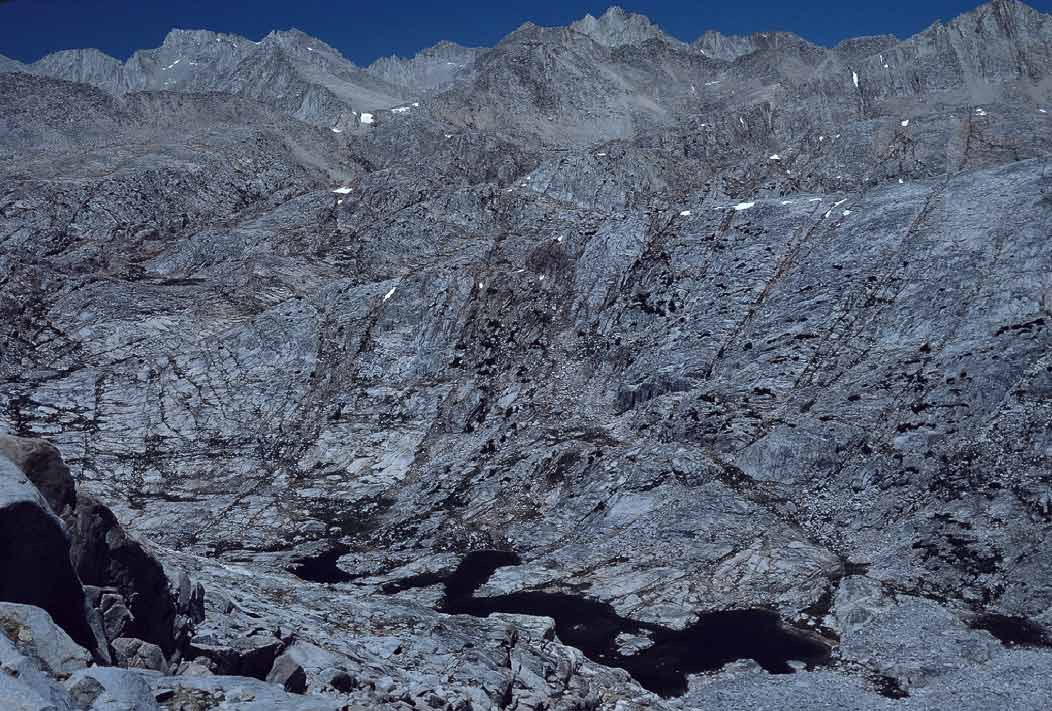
(615, 28)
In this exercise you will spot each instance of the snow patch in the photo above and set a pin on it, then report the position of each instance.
(336, 130)
(847, 212)
(389, 294)
(775, 157)
(600, 155)
(684, 213)
(366, 118)
(343, 191)
(815, 200)
(399, 109)
(743, 206)
(172, 64)
(787, 202)
(1042, 111)
(904, 123)
(980, 112)
(854, 78)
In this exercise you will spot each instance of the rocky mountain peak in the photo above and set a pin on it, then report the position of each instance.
(615, 28)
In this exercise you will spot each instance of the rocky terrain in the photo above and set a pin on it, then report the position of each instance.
(593, 370)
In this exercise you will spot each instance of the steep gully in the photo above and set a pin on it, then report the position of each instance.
(715, 639)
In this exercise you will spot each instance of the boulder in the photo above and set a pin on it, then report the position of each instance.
(135, 653)
(34, 634)
(42, 464)
(111, 689)
(289, 674)
(35, 567)
(105, 556)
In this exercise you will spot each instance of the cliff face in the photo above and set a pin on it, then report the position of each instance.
(681, 329)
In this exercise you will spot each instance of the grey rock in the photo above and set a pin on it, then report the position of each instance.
(43, 466)
(35, 634)
(288, 674)
(110, 689)
(31, 534)
(135, 653)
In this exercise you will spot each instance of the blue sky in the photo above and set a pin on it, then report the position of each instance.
(366, 29)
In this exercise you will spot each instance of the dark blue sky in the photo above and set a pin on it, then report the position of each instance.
(366, 29)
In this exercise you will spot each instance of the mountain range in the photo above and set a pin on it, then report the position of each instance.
(592, 370)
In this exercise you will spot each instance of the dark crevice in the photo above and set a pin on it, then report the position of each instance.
(715, 639)
(1013, 631)
(321, 568)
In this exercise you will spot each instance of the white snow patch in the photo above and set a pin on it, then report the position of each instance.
(847, 212)
(854, 78)
(901, 181)
(343, 191)
(416, 103)
(821, 138)
(600, 155)
(542, 277)
(449, 135)
(336, 130)
(838, 203)
(787, 202)
(904, 123)
(743, 206)
(815, 200)
(366, 118)
(389, 294)
(310, 49)
(712, 83)
(1042, 111)
(399, 109)
(741, 120)
(684, 213)
(172, 64)
(980, 112)
(775, 157)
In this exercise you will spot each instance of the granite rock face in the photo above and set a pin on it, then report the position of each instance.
(678, 329)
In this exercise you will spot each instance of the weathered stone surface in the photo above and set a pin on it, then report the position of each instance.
(110, 689)
(747, 323)
(34, 634)
(135, 653)
(42, 464)
(288, 674)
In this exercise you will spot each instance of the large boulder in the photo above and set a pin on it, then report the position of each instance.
(35, 567)
(42, 464)
(64, 551)
(105, 556)
(34, 634)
